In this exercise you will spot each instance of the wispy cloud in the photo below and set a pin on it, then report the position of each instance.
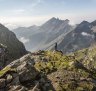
(13, 22)
(28, 12)
(36, 2)
(21, 7)
(19, 10)
(16, 11)
(24, 40)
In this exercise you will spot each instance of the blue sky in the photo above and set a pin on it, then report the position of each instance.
(15, 13)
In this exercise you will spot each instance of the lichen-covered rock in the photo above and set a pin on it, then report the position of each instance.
(9, 78)
(25, 68)
(27, 73)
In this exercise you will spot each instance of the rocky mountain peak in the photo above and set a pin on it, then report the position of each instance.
(93, 23)
(55, 21)
(67, 20)
(53, 18)
(84, 26)
(84, 22)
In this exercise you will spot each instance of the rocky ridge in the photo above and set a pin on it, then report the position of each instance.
(51, 71)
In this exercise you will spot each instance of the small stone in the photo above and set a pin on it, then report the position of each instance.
(2, 83)
(18, 88)
(9, 78)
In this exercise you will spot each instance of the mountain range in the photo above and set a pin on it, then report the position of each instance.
(41, 37)
(83, 36)
(69, 38)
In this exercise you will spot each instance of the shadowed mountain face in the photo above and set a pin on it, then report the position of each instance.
(81, 37)
(40, 37)
(16, 49)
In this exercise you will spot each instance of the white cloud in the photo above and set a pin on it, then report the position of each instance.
(24, 40)
(12, 22)
(11, 26)
(85, 34)
(16, 12)
(16, 21)
(23, 10)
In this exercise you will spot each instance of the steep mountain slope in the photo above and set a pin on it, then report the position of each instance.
(83, 36)
(25, 31)
(15, 48)
(51, 71)
(43, 35)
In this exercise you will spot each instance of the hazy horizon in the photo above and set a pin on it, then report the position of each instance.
(18, 13)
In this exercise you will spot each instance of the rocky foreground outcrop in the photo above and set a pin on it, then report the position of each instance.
(21, 75)
(51, 71)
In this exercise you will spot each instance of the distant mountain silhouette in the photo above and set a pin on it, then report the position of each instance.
(40, 37)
